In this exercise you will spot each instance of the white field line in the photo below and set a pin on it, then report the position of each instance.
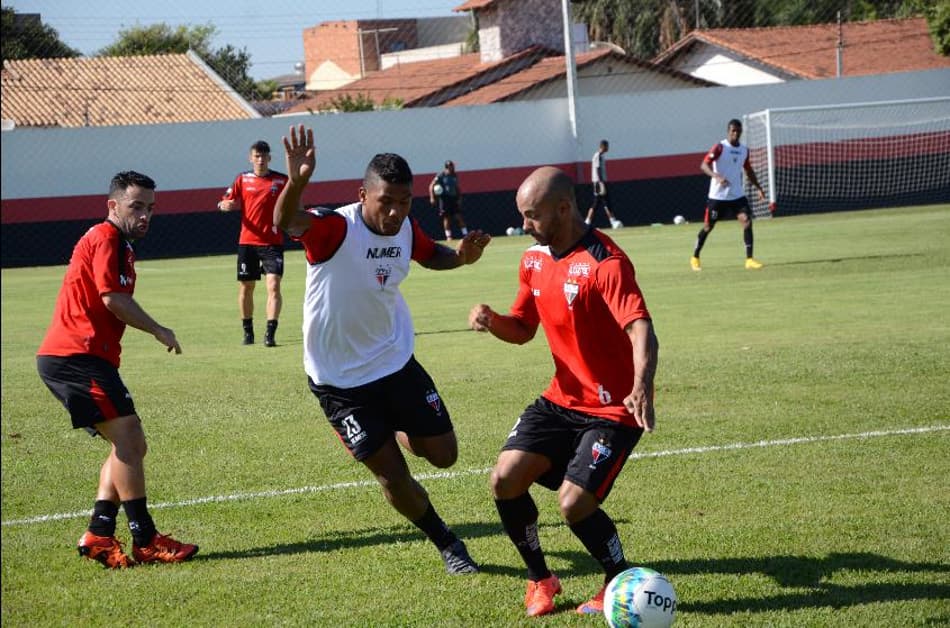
(448, 475)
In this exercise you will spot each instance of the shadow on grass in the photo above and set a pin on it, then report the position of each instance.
(835, 260)
(811, 572)
(798, 572)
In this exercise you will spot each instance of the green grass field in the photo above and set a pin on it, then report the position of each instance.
(798, 475)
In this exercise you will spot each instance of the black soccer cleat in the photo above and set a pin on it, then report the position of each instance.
(457, 561)
(248, 338)
(269, 341)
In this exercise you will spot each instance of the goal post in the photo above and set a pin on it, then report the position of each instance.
(850, 156)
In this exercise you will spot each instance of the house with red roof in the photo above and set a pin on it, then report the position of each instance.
(749, 56)
(520, 57)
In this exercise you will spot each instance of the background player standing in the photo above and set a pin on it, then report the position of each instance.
(724, 164)
(261, 243)
(79, 362)
(576, 437)
(446, 194)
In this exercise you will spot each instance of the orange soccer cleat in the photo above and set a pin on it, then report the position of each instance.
(595, 605)
(539, 598)
(163, 549)
(105, 549)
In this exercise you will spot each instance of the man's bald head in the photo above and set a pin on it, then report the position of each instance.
(546, 185)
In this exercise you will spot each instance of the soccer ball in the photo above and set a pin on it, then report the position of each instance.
(510, 231)
(437, 189)
(679, 220)
(639, 598)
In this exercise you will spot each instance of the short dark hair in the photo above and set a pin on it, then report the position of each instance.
(128, 178)
(388, 167)
(735, 122)
(604, 143)
(449, 162)
(261, 146)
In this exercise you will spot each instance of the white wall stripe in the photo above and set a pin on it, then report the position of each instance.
(449, 475)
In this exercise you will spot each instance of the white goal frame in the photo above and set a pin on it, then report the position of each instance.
(850, 155)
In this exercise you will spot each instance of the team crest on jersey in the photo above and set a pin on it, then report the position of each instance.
(599, 452)
(571, 288)
(432, 398)
(383, 272)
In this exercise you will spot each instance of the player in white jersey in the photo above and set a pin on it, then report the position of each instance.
(358, 332)
(724, 164)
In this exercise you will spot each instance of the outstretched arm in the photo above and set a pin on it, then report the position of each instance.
(503, 327)
(301, 161)
(469, 251)
(127, 310)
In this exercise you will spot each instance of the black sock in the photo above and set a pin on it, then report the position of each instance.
(102, 522)
(140, 522)
(248, 324)
(599, 535)
(700, 241)
(747, 238)
(519, 517)
(434, 528)
(271, 327)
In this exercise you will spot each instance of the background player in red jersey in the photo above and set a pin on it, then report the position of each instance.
(79, 362)
(261, 243)
(724, 164)
(575, 438)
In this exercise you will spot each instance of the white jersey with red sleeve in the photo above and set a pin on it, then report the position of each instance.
(729, 161)
(584, 300)
(356, 324)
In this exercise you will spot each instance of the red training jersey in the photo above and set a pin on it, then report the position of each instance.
(257, 196)
(584, 300)
(103, 261)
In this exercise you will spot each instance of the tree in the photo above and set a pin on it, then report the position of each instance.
(646, 27)
(26, 37)
(229, 63)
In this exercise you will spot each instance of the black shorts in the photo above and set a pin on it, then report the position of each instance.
(587, 450)
(448, 205)
(251, 259)
(367, 416)
(601, 196)
(89, 387)
(715, 209)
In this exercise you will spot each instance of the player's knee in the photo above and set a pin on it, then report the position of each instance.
(444, 455)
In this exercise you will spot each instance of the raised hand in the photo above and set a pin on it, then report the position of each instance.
(301, 154)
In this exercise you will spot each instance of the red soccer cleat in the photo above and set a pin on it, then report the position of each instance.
(595, 605)
(105, 549)
(163, 549)
(539, 598)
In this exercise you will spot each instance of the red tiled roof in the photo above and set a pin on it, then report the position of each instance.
(549, 69)
(878, 47)
(107, 91)
(474, 4)
(424, 82)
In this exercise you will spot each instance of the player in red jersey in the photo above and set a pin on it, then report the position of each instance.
(261, 243)
(79, 362)
(575, 438)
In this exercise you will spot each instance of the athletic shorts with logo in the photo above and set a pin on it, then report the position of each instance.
(716, 208)
(89, 387)
(365, 417)
(252, 259)
(587, 450)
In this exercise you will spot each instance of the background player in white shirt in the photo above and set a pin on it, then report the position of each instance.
(724, 164)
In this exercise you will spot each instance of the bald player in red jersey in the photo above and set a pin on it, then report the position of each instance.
(78, 361)
(575, 438)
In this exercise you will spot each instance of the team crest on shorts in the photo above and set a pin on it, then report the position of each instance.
(598, 453)
(432, 398)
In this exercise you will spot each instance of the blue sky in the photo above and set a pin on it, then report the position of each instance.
(271, 31)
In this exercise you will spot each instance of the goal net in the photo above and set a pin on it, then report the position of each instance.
(850, 156)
